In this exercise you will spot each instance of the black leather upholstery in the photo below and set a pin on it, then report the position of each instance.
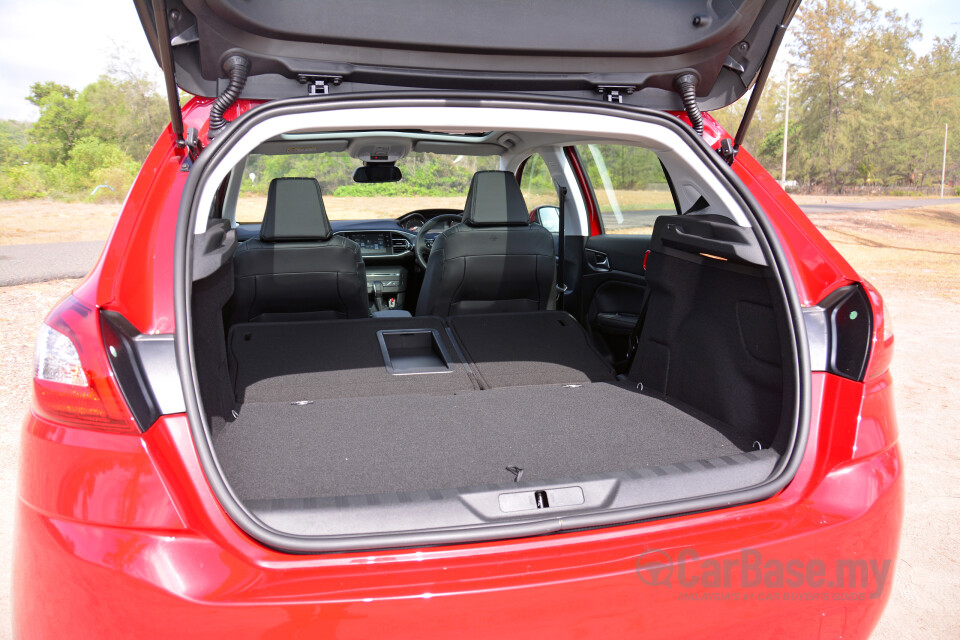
(297, 269)
(495, 261)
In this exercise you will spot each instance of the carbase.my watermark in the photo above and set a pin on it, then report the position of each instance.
(749, 576)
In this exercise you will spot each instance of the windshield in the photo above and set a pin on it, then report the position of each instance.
(430, 181)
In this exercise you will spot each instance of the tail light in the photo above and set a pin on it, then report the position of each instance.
(850, 334)
(851, 337)
(846, 323)
(881, 352)
(877, 422)
(73, 382)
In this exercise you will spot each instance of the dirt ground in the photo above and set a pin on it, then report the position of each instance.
(250, 208)
(804, 198)
(55, 221)
(36, 221)
(912, 256)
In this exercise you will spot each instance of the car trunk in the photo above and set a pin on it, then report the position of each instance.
(346, 427)
(372, 433)
(321, 415)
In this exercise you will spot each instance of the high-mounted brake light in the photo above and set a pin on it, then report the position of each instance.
(73, 382)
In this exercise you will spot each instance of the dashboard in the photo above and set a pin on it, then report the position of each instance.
(381, 240)
(380, 244)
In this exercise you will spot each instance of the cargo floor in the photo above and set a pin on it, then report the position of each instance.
(355, 446)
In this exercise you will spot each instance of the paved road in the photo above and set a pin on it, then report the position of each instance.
(23, 264)
(26, 263)
(646, 218)
(877, 205)
(630, 219)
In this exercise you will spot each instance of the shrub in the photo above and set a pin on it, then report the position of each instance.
(118, 178)
(90, 156)
(24, 181)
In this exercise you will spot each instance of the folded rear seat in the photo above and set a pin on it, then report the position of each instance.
(715, 333)
(292, 361)
(529, 348)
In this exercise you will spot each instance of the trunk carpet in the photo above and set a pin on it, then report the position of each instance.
(352, 446)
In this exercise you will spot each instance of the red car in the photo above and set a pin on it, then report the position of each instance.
(460, 320)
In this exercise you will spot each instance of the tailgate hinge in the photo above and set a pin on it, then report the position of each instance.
(194, 146)
(615, 93)
(727, 151)
(319, 85)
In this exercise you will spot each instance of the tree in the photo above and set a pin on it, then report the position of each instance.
(930, 99)
(13, 141)
(130, 99)
(127, 112)
(40, 92)
(96, 136)
(853, 60)
(61, 120)
(768, 118)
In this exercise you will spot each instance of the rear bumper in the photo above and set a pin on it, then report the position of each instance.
(195, 576)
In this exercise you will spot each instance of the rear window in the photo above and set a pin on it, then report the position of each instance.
(630, 186)
(430, 181)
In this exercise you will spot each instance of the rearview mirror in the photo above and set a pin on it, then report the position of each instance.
(374, 173)
(548, 216)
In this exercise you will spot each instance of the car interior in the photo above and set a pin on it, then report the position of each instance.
(340, 373)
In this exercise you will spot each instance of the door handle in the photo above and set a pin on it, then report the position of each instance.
(598, 260)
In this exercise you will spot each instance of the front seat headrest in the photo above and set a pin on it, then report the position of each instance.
(294, 211)
(495, 200)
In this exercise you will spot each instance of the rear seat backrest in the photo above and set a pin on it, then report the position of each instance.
(714, 332)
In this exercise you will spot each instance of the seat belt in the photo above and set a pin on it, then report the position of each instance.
(634, 341)
(561, 284)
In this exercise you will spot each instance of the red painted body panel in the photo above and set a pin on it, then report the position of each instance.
(121, 535)
(817, 266)
(210, 578)
(98, 479)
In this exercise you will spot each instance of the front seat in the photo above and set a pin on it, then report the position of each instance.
(495, 260)
(297, 269)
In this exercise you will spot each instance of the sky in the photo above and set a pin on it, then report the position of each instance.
(72, 43)
(65, 41)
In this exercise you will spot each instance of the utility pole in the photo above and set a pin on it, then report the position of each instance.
(786, 127)
(943, 168)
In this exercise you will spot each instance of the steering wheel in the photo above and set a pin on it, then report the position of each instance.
(420, 245)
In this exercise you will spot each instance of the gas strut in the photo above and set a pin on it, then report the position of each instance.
(237, 67)
(686, 84)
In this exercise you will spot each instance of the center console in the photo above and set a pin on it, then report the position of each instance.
(386, 282)
(388, 285)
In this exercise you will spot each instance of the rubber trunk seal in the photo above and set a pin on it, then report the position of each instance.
(783, 473)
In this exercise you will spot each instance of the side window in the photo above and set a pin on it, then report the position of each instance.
(629, 185)
(539, 191)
